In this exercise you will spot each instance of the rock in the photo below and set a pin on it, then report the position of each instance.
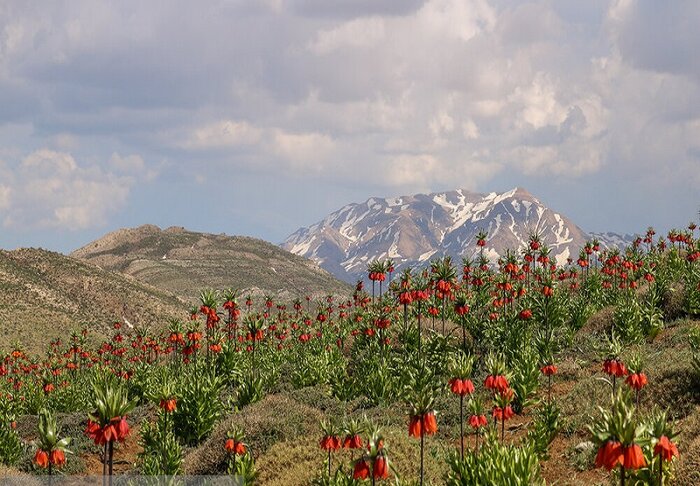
(584, 446)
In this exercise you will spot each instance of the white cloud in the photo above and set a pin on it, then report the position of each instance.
(50, 189)
(222, 134)
(362, 32)
(470, 129)
(309, 151)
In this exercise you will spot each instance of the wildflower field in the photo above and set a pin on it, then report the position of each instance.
(516, 372)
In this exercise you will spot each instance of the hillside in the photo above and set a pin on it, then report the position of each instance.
(412, 229)
(45, 295)
(184, 262)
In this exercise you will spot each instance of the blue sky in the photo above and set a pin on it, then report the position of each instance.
(259, 117)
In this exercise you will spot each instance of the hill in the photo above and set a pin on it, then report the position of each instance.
(412, 229)
(45, 295)
(184, 262)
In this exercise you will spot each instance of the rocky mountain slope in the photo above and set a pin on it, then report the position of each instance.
(45, 295)
(413, 229)
(185, 262)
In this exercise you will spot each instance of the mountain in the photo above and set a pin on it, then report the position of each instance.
(613, 240)
(412, 229)
(185, 262)
(45, 295)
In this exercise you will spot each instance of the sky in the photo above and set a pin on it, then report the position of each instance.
(259, 117)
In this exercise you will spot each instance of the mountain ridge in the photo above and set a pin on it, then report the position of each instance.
(184, 262)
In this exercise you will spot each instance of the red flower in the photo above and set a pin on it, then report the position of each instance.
(497, 383)
(503, 413)
(637, 381)
(476, 421)
(93, 431)
(330, 443)
(353, 442)
(525, 314)
(614, 367)
(610, 454)
(41, 459)
(229, 445)
(240, 449)
(381, 471)
(361, 470)
(665, 449)
(122, 427)
(415, 426)
(169, 405)
(429, 423)
(633, 457)
(549, 370)
(461, 387)
(57, 457)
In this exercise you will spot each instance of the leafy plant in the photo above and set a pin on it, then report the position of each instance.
(198, 408)
(495, 463)
(162, 453)
(544, 428)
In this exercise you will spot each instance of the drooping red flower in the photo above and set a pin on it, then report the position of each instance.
(610, 455)
(665, 449)
(169, 405)
(353, 442)
(122, 428)
(475, 421)
(498, 383)
(381, 471)
(637, 381)
(614, 367)
(239, 448)
(429, 423)
(361, 470)
(549, 370)
(415, 426)
(461, 387)
(41, 459)
(229, 445)
(57, 457)
(330, 443)
(503, 413)
(93, 431)
(633, 457)
(525, 314)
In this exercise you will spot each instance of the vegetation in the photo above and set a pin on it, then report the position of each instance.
(518, 372)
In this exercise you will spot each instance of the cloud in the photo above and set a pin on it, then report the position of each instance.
(50, 189)
(392, 95)
(308, 151)
(363, 32)
(222, 134)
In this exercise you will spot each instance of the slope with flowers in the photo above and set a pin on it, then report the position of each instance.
(413, 229)
(184, 262)
(521, 373)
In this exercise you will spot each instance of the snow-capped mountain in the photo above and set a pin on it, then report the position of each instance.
(414, 229)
